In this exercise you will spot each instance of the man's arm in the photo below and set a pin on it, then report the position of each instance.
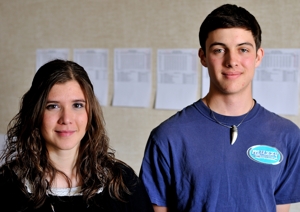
(279, 208)
(163, 209)
(283, 208)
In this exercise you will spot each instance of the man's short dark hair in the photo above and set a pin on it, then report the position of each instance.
(229, 16)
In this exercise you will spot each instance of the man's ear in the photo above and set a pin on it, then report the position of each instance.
(202, 57)
(259, 56)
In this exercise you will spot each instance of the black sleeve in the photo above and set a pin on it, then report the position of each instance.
(11, 197)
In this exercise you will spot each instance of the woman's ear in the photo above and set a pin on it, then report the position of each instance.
(202, 57)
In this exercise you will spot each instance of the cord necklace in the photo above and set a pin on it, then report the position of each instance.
(233, 128)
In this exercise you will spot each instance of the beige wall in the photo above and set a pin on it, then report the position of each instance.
(30, 24)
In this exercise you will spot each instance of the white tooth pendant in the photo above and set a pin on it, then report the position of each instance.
(234, 134)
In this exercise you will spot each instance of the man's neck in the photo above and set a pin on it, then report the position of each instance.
(229, 105)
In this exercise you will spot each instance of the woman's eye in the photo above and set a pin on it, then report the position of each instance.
(78, 105)
(52, 106)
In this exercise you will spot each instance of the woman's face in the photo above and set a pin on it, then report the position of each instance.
(65, 118)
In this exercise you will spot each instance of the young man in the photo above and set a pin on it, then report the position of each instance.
(225, 152)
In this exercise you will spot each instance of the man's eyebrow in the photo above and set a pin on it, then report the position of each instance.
(222, 44)
(216, 44)
(245, 43)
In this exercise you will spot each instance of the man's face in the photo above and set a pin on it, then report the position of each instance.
(231, 59)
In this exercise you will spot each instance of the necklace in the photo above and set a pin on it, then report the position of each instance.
(233, 128)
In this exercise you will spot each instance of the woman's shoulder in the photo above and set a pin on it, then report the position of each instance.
(137, 198)
(128, 174)
(10, 191)
(9, 182)
(6, 174)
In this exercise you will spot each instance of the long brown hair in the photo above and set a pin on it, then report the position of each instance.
(26, 153)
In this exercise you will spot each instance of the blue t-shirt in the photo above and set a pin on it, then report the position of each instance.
(190, 165)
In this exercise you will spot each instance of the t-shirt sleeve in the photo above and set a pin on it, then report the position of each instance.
(155, 172)
(288, 189)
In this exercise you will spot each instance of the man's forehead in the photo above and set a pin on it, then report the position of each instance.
(226, 36)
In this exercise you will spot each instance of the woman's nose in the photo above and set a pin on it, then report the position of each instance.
(65, 117)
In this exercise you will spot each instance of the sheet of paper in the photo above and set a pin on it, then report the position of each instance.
(177, 78)
(95, 62)
(132, 77)
(2, 141)
(45, 55)
(276, 81)
(2, 145)
(205, 82)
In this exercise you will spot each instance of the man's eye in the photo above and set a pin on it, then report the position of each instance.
(218, 51)
(244, 50)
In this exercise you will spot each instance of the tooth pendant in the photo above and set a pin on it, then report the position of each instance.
(234, 134)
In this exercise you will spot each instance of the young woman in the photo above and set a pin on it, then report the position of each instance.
(57, 155)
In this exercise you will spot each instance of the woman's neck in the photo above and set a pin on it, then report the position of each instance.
(64, 162)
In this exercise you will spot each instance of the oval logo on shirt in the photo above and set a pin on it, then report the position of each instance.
(265, 154)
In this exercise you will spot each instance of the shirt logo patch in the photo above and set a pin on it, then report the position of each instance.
(265, 154)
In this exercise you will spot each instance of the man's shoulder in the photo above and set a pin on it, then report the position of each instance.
(186, 115)
(277, 120)
(177, 125)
